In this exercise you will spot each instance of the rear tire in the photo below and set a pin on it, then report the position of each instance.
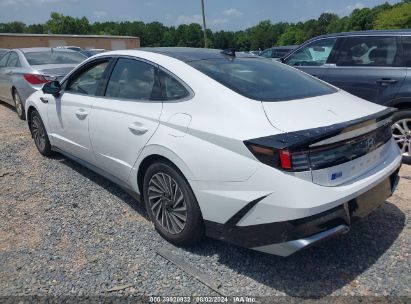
(18, 105)
(39, 133)
(171, 204)
(401, 130)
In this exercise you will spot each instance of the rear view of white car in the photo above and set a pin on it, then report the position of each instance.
(232, 146)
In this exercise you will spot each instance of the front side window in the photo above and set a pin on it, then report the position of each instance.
(261, 79)
(54, 57)
(172, 88)
(133, 79)
(87, 82)
(368, 51)
(3, 60)
(315, 53)
(267, 53)
(13, 61)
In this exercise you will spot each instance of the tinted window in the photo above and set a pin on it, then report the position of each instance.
(407, 50)
(280, 53)
(132, 79)
(3, 60)
(87, 81)
(54, 57)
(368, 51)
(172, 88)
(267, 53)
(315, 53)
(261, 79)
(14, 60)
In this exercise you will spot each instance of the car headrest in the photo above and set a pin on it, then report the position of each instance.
(379, 56)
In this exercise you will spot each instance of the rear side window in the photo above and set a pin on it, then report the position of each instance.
(14, 60)
(368, 51)
(133, 79)
(261, 79)
(172, 88)
(407, 50)
(315, 53)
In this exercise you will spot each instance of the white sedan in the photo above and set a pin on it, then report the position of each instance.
(232, 146)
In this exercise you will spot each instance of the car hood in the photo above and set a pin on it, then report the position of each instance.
(320, 111)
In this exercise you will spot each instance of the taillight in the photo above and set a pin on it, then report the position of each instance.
(280, 158)
(285, 159)
(35, 78)
(304, 157)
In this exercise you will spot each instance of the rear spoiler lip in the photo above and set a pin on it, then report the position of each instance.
(300, 140)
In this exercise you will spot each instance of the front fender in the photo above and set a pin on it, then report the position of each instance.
(33, 101)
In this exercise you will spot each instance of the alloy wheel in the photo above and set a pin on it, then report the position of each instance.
(401, 130)
(167, 203)
(39, 133)
(19, 105)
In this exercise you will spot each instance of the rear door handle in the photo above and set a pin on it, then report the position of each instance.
(44, 100)
(81, 114)
(9, 72)
(137, 128)
(386, 81)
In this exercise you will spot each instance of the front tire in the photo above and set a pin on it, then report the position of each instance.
(18, 105)
(171, 205)
(39, 134)
(401, 130)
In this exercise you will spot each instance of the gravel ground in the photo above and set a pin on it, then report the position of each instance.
(66, 231)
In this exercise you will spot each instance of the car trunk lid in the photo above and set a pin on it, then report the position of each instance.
(54, 71)
(336, 139)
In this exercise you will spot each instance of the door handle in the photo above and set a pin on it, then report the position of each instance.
(386, 81)
(137, 128)
(44, 100)
(81, 114)
(9, 73)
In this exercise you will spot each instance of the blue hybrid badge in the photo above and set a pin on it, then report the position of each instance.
(336, 175)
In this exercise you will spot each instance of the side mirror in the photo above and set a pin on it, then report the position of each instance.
(52, 88)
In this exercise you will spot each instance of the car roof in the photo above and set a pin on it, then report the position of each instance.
(367, 33)
(187, 54)
(44, 49)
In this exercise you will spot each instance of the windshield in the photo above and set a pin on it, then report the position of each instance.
(54, 57)
(262, 79)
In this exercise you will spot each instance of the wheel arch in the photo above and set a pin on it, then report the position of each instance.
(152, 154)
(401, 103)
(30, 110)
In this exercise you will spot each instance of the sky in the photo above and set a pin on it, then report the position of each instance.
(220, 14)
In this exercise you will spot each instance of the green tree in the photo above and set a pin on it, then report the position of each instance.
(12, 27)
(60, 24)
(398, 17)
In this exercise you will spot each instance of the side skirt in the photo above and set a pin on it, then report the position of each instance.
(101, 172)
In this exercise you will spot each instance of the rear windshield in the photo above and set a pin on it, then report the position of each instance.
(262, 79)
(55, 57)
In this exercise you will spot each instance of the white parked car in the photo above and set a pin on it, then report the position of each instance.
(232, 146)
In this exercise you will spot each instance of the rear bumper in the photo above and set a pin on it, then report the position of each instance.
(286, 237)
